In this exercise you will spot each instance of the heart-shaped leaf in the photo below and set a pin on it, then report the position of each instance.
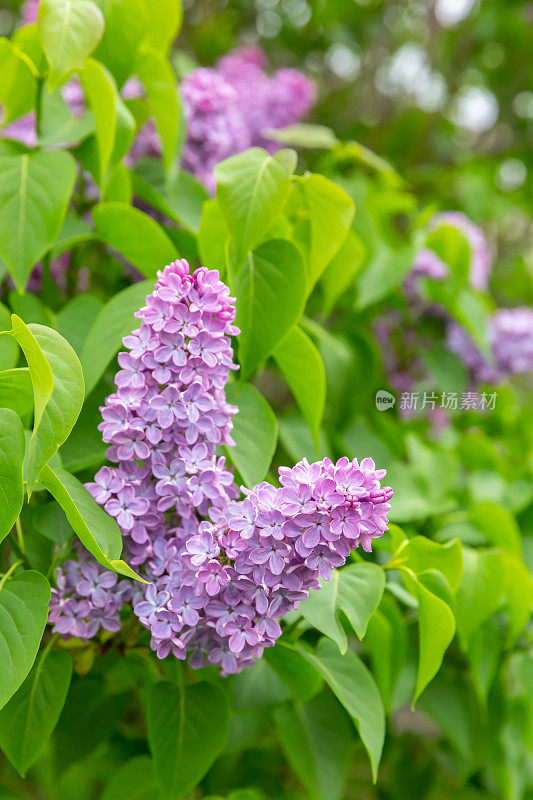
(24, 602)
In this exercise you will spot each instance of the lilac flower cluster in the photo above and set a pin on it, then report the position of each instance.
(266, 101)
(87, 598)
(230, 107)
(216, 127)
(220, 590)
(222, 571)
(428, 264)
(511, 344)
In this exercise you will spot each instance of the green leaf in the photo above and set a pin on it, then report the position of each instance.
(356, 690)
(27, 721)
(304, 135)
(436, 623)
(386, 640)
(115, 320)
(252, 188)
(359, 593)
(125, 28)
(187, 729)
(74, 232)
(385, 271)
(9, 350)
(356, 590)
(255, 431)
(518, 593)
(479, 594)
(212, 236)
(181, 196)
(498, 526)
(76, 318)
(98, 531)
(318, 742)
(421, 554)
(330, 212)
(16, 391)
(34, 192)
(11, 462)
(23, 613)
(100, 92)
(40, 370)
(270, 291)
(65, 402)
(303, 368)
(301, 677)
(164, 22)
(134, 235)
(342, 269)
(134, 780)
(59, 126)
(17, 88)
(69, 31)
(320, 610)
(161, 88)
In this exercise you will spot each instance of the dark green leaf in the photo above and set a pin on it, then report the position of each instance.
(301, 677)
(187, 729)
(317, 739)
(27, 721)
(23, 613)
(255, 431)
(134, 780)
(11, 462)
(357, 692)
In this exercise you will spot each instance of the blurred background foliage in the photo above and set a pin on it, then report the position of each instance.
(432, 107)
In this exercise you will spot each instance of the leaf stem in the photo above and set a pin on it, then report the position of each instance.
(10, 571)
(20, 536)
(38, 106)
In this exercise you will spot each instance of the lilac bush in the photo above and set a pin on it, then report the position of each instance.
(429, 265)
(510, 340)
(222, 570)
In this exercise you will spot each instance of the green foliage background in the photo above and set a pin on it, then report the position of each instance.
(410, 674)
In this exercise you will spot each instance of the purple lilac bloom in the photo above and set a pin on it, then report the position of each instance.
(222, 570)
(266, 101)
(428, 264)
(228, 108)
(28, 11)
(216, 125)
(510, 340)
(87, 598)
